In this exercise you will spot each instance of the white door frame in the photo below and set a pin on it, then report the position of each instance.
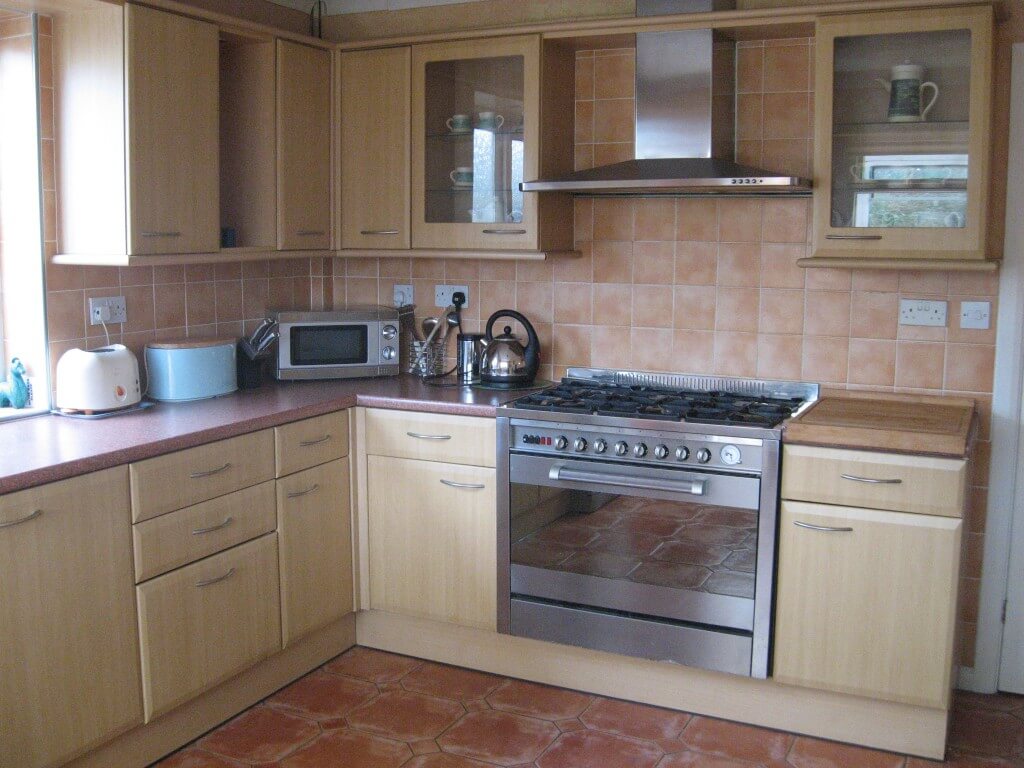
(1006, 490)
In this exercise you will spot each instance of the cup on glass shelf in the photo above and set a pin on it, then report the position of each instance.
(462, 177)
(489, 121)
(459, 124)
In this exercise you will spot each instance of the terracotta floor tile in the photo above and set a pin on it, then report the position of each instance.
(425, 747)
(324, 697)
(638, 720)
(565, 726)
(375, 666)
(814, 753)
(688, 552)
(442, 760)
(986, 732)
(675, 575)
(700, 760)
(351, 750)
(740, 742)
(406, 716)
(536, 700)
(1005, 702)
(197, 758)
(965, 761)
(450, 682)
(499, 737)
(589, 749)
(260, 735)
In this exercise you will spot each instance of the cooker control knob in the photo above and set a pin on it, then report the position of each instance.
(660, 452)
(682, 453)
(561, 443)
(388, 353)
(703, 455)
(621, 448)
(580, 444)
(389, 332)
(600, 446)
(639, 450)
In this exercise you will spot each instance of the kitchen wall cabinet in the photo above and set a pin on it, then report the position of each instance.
(303, 147)
(70, 659)
(892, 191)
(374, 139)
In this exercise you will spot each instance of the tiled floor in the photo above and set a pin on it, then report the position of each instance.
(367, 709)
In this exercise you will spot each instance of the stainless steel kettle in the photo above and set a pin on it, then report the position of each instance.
(505, 361)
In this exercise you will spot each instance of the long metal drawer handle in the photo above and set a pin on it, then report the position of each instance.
(20, 520)
(208, 472)
(421, 436)
(161, 234)
(307, 443)
(310, 233)
(208, 582)
(853, 237)
(378, 232)
(227, 521)
(825, 528)
(692, 487)
(467, 486)
(306, 492)
(504, 231)
(874, 480)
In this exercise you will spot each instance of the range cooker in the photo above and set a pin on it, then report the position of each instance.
(638, 513)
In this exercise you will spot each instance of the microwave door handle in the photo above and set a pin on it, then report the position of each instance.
(692, 487)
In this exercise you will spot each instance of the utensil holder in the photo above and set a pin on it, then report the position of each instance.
(250, 372)
(426, 359)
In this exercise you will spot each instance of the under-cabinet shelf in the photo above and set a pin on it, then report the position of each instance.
(916, 264)
(216, 257)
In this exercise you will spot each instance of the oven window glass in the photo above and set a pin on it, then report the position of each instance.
(674, 544)
(329, 345)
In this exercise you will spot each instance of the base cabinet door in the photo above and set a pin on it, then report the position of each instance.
(69, 669)
(315, 530)
(866, 602)
(201, 624)
(432, 540)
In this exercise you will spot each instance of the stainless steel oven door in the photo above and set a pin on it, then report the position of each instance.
(671, 544)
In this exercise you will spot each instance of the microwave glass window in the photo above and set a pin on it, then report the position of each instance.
(329, 345)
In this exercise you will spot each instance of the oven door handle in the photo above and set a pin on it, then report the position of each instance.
(692, 487)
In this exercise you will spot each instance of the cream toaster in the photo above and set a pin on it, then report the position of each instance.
(103, 379)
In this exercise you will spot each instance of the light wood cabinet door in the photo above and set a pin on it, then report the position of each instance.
(203, 623)
(314, 512)
(69, 657)
(375, 88)
(172, 76)
(866, 602)
(433, 540)
(303, 147)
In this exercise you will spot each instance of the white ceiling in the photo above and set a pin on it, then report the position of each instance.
(358, 6)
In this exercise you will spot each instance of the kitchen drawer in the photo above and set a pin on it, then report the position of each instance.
(177, 480)
(431, 437)
(923, 484)
(201, 624)
(305, 444)
(189, 534)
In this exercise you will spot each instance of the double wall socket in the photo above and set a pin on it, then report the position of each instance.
(921, 312)
(443, 294)
(109, 309)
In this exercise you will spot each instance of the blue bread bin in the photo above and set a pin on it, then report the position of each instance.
(190, 369)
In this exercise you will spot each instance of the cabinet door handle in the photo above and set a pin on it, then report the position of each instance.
(227, 521)
(853, 237)
(307, 443)
(825, 528)
(20, 520)
(297, 494)
(466, 486)
(216, 580)
(873, 480)
(378, 232)
(209, 472)
(504, 231)
(421, 436)
(310, 233)
(161, 234)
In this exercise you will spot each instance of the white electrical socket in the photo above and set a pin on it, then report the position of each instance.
(109, 309)
(976, 314)
(921, 312)
(443, 294)
(403, 295)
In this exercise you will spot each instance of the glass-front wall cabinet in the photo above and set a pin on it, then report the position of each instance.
(902, 135)
(475, 108)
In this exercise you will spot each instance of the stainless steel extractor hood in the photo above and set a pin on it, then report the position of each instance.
(685, 121)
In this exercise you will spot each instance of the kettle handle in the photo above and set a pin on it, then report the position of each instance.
(532, 348)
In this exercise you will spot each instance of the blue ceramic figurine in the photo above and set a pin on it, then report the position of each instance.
(14, 392)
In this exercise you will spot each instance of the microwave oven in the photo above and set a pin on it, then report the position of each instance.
(347, 343)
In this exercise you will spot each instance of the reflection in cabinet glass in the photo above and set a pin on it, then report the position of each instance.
(474, 140)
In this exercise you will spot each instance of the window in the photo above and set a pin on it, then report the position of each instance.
(22, 291)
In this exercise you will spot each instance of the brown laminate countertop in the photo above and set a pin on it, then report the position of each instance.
(44, 449)
(919, 424)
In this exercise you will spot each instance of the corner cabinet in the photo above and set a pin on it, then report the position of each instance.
(902, 170)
